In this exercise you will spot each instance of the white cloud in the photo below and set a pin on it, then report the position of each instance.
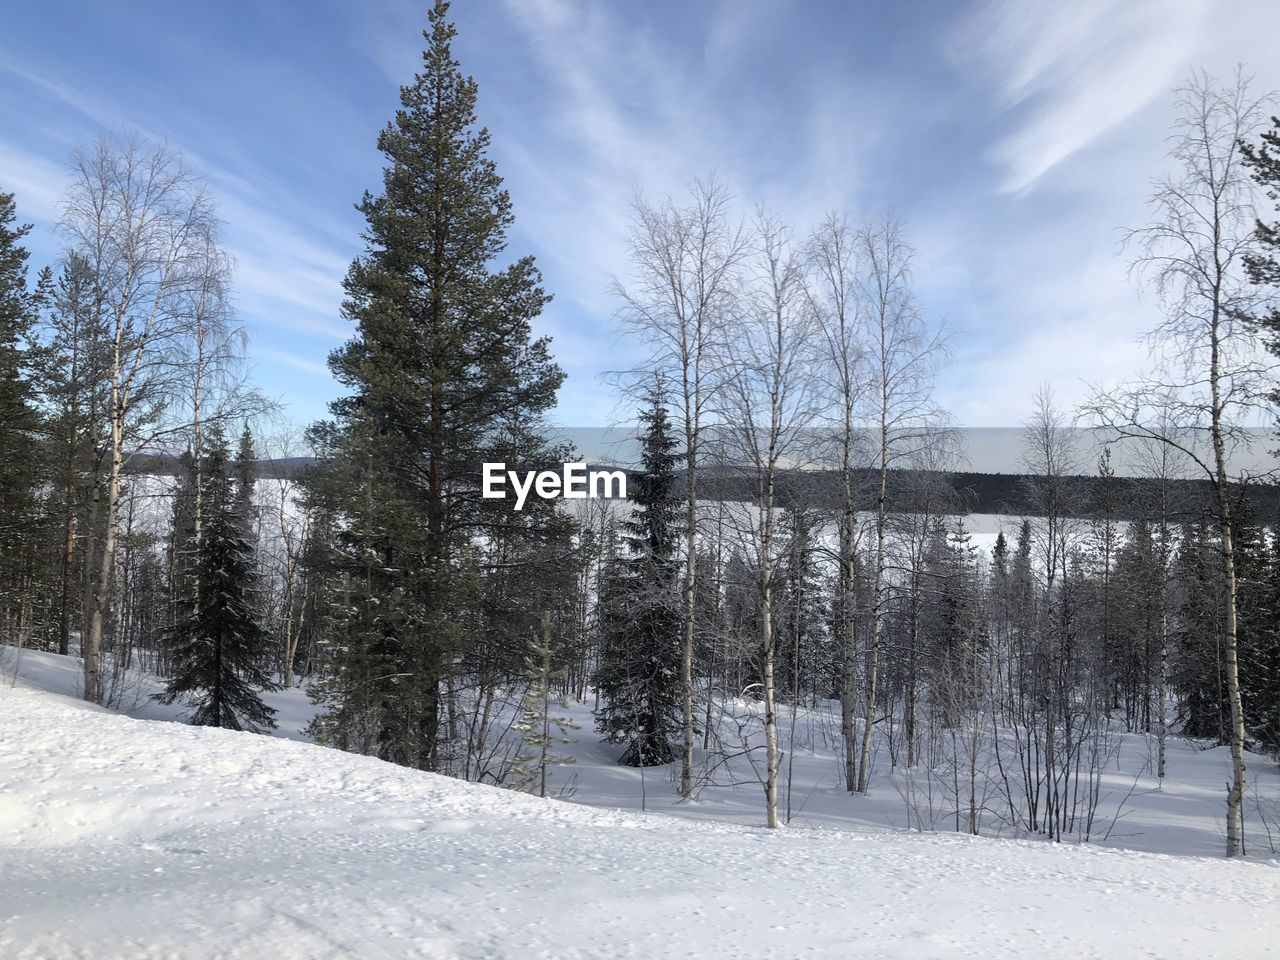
(1071, 72)
(37, 183)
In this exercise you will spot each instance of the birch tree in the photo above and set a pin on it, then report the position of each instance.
(1211, 375)
(684, 259)
(900, 361)
(769, 405)
(833, 296)
(144, 228)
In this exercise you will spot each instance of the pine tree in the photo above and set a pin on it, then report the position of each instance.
(1196, 663)
(73, 369)
(244, 480)
(442, 356)
(1263, 162)
(541, 730)
(219, 652)
(19, 426)
(805, 657)
(638, 675)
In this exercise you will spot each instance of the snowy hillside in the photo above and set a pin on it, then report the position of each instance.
(1184, 815)
(133, 839)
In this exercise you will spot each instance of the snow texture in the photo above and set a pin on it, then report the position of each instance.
(142, 839)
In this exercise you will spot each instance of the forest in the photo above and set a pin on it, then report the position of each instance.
(798, 531)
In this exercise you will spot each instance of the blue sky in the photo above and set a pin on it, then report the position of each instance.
(1013, 138)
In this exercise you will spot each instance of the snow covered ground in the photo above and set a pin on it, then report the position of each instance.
(131, 838)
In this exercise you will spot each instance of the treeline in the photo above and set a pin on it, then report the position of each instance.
(1004, 493)
(795, 530)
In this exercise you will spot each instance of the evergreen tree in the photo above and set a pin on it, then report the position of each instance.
(638, 675)
(805, 656)
(1258, 611)
(73, 369)
(19, 427)
(1263, 162)
(1196, 663)
(244, 480)
(443, 356)
(219, 652)
(541, 729)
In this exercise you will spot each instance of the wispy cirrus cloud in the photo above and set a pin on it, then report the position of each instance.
(1071, 72)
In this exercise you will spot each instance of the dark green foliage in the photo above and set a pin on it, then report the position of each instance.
(21, 543)
(442, 363)
(806, 656)
(1196, 667)
(243, 478)
(219, 653)
(954, 625)
(1131, 645)
(1258, 631)
(73, 370)
(638, 675)
(1263, 160)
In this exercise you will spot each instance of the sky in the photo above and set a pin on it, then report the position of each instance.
(1014, 139)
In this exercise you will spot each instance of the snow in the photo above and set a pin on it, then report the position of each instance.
(132, 838)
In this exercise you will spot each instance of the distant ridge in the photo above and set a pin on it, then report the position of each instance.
(960, 491)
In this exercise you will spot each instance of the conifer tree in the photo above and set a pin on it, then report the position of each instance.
(638, 676)
(73, 368)
(1263, 162)
(244, 480)
(19, 425)
(219, 652)
(540, 728)
(443, 355)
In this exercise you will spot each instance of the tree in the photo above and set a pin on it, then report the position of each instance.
(900, 360)
(219, 654)
(442, 359)
(770, 400)
(143, 228)
(19, 427)
(1210, 379)
(1262, 160)
(540, 729)
(833, 293)
(76, 392)
(638, 675)
(685, 260)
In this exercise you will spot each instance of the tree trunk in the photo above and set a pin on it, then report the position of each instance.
(92, 647)
(1235, 792)
(873, 664)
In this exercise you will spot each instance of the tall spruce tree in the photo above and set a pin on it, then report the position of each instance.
(19, 425)
(443, 355)
(638, 676)
(219, 653)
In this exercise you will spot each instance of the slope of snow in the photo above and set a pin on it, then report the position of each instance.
(1184, 815)
(143, 839)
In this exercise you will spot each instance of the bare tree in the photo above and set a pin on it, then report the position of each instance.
(144, 227)
(833, 295)
(684, 259)
(1165, 464)
(1211, 375)
(901, 359)
(1050, 459)
(769, 404)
